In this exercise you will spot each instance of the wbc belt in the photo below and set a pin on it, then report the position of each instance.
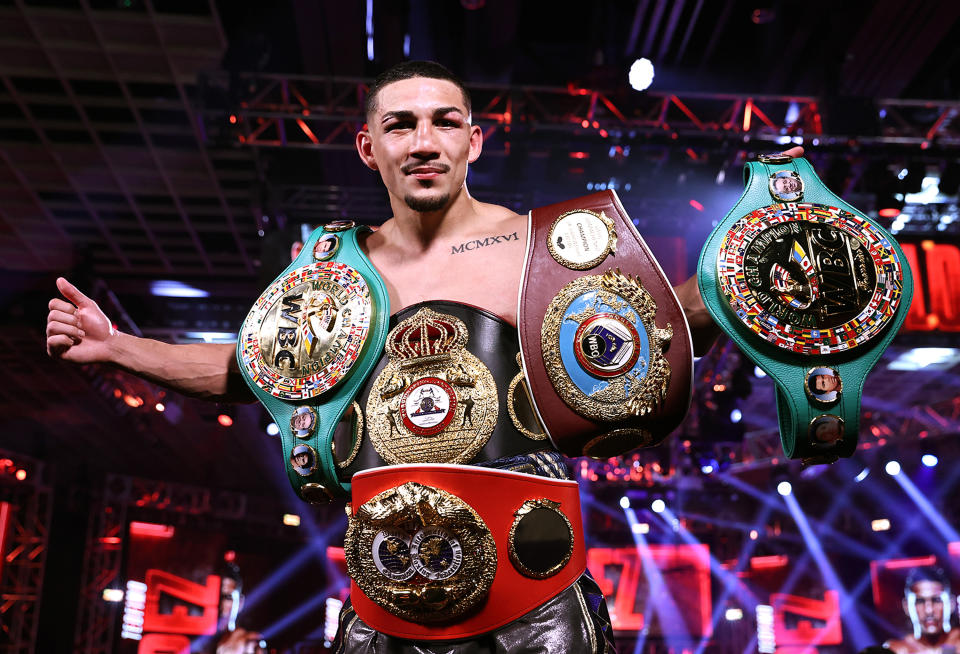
(606, 348)
(810, 289)
(306, 347)
(459, 551)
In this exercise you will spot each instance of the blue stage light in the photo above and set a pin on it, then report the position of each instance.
(273, 429)
(736, 415)
(625, 502)
(784, 488)
(892, 468)
(862, 475)
(658, 506)
(929, 460)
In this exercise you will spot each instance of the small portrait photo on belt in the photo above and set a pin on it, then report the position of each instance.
(823, 385)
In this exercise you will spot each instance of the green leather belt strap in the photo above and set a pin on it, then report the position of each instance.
(778, 186)
(316, 480)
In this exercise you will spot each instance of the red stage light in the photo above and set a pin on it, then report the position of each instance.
(579, 155)
(230, 556)
(21, 474)
(584, 123)
(151, 529)
(696, 205)
(889, 212)
(225, 420)
(133, 401)
(233, 119)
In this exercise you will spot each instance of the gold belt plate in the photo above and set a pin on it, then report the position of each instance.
(434, 402)
(420, 553)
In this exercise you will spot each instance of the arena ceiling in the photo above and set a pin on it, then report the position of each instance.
(120, 164)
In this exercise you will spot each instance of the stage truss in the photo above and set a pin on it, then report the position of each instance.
(301, 111)
(28, 505)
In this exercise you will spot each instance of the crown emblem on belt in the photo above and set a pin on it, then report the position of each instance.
(427, 335)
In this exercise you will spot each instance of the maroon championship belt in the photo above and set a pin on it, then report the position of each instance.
(606, 349)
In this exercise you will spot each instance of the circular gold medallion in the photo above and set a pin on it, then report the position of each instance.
(306, 330)
(602, 349)
(541, 539)
(421, 553)
(581, 239)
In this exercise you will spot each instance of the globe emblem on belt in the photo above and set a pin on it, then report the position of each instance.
(606, 345)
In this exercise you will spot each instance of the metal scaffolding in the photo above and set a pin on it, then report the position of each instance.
(25, 510)
(302, 111)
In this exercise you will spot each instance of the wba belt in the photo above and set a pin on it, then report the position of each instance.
(306, 347)
(461, 550)
(813, 291)
(441, 392)
(607, 353)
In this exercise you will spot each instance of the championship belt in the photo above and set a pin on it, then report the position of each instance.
(812, 291)
(441, 391)
(307, 346)
(606, 348)
(461, 550)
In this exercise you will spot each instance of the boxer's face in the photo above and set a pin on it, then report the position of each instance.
(929, 603)
(420, 140)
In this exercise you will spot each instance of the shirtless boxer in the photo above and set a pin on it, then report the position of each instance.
(420, 138)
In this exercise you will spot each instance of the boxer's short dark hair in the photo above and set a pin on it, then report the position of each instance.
(410, 70)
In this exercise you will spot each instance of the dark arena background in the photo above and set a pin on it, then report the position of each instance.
(165, 154)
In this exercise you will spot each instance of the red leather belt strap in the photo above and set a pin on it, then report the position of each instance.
(495, 495)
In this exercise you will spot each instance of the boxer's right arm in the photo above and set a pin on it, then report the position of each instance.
(78, 331)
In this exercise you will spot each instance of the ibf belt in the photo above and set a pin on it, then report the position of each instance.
(438, 552)
(306, 347)
(813, 291)
(607, 354)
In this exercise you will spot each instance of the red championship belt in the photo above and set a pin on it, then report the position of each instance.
(441, 552)
(606, 348)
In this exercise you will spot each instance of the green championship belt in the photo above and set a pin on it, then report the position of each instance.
(812, 291)
(307, 346)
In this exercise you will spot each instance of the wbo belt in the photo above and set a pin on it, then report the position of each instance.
(441, 393)
(607, 352)
(306, 347)
(810, 289)
(461, 551)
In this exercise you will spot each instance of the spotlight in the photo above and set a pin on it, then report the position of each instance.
(758, 372)
(112, 595)
(881, 524)
(658, 506)
(892, 468)
(21, 474)
(754, 534)
(159, 407)
(640, 528)
(736, 415)
(625, 502)
(784, 488)
(225, 420)
(862, 475)
(734, 614)
(273, 429)
(291, 519)
(641, 74)
(929, 460)
(706, 469)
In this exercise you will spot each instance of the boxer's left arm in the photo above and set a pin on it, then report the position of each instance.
(702, 328)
